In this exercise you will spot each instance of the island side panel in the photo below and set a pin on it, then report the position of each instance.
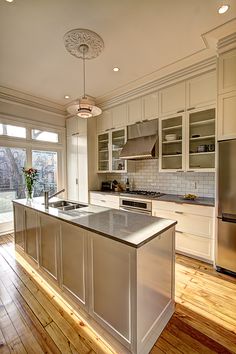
(112, 281)
(19, 226)
(48, 245)
(31, 234)
(73, 255)
(155, 288)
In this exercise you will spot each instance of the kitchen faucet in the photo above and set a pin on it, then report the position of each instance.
(47, 197)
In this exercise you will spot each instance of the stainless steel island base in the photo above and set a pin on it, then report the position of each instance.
(128, 291)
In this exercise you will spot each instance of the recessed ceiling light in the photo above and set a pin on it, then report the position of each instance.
(66, 96)
(223, 9)
(9, 0)
(115, 69)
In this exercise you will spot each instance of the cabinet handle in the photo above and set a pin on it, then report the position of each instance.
(180, 111)
(102, 200)
(179, 232)
(145, 120)
(107, 130)
(178, 212)
(76, 181)
(180, 171)
(190, 109)
(191, 171)
(75, 134)
(139, 121)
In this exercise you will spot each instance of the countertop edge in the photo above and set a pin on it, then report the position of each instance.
(172, 223)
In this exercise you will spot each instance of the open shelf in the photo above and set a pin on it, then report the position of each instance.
(203, 137)
(202, 122)
(202, 153)
(172, 141)
(174, 127)
(174, 155)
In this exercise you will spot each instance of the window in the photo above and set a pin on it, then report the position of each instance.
(46, 164)
(11, 180)
(12, 130)
(42, 135)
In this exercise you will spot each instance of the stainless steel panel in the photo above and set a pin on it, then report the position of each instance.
(226, 245)
(227, 177)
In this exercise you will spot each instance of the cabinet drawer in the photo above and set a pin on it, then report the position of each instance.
(189, 223)
(106, 197)
(105, 203)
(194, 245)
(185, 208)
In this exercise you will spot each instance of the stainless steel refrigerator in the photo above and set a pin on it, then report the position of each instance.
(226, 238)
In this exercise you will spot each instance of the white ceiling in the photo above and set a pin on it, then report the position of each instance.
(140, 37)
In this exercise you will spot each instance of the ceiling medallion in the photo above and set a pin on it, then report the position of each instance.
(76, 38)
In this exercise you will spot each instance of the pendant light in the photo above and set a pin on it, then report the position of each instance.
(84, 44)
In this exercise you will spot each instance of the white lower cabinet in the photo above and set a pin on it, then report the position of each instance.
(194, 229)
(105, 200)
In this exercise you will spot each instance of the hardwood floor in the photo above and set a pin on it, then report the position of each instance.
(34, 320)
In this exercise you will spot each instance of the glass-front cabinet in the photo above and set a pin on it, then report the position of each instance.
(201, 140)
(103, 152)
(171, 145)
(110, 145)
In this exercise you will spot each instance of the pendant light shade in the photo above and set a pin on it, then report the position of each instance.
(83, 44)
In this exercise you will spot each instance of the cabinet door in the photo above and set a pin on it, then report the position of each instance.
(103, 152)
(200, 142)
(172, 99)
(193, 245)
(226, 116)
(31, 234)
(111, 264)
(71, 126)
(201, 91)
(49, 233)
(104, 121)
(226, 72)
(150, 106)
(72, 167)
(172, 144)
(119, 116)
(19, 226)
(73, 261)
(118, 139)
(134, 111)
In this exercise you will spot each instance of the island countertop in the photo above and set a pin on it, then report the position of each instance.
(126, 227)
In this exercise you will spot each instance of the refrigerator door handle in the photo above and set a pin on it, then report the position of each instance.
(229, 217)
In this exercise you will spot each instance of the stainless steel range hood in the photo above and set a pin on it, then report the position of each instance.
(142, 141)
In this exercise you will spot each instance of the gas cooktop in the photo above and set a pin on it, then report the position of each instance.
(143, 193)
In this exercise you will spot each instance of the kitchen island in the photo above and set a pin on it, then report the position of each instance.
(116, 266)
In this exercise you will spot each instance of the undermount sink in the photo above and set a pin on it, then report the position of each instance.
(65, 205)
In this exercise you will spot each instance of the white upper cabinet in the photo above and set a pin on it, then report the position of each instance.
(150, 106)
(134, 111)
(227, 72)
(227, 95)
(226, 116)
(104, 121)
(119, 116)
(172, 99)
(201, 91)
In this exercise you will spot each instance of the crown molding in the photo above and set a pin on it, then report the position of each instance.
(226, 43)
(18, 97)
(204, 66)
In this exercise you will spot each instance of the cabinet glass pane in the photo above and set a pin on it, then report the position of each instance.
(118, 140)
(103, 152)
(202, 139)
(172, 146)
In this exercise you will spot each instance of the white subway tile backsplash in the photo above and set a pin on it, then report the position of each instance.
(148, 177)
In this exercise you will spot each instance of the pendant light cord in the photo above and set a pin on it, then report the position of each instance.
(84, 69)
